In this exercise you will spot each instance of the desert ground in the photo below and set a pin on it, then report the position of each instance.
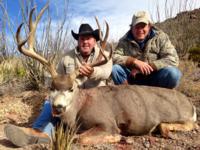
(20, 106)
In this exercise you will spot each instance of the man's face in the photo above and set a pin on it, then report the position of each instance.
(140, 31)
(86, 43)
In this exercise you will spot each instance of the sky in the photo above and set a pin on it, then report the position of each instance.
(118, 13)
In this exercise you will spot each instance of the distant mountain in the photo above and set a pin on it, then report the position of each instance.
(183, 30)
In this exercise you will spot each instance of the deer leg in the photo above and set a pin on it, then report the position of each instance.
(165, 128)
(97, 135)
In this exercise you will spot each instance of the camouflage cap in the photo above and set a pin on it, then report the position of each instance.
(141, 16)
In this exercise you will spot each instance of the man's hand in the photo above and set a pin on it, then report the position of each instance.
(143, 67)
(86, 70)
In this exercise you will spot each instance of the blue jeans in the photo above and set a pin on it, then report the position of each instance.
(45, 121)
(167, 77)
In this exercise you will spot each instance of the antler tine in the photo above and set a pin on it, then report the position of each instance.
(32, 28)
(19, 42)
(41, 13)
(99, 27)
(102, 46)
(33, 25)
(102, 41)
(28, 52)
(31, 39)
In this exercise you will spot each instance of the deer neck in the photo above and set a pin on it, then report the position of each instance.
(78, 100)
(72, 110)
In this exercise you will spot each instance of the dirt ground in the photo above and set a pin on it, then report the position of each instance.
(20, 107)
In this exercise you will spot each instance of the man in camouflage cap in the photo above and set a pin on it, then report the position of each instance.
(145, 56)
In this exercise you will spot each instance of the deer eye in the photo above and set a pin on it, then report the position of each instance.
(71, 90)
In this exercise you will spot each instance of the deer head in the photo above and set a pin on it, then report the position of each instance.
(62, 85)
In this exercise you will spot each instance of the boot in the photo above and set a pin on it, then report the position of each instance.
(21, 136)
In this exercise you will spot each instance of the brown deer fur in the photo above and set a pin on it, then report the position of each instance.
(128, 110)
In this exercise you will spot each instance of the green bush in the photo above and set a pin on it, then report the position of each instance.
(21, 72)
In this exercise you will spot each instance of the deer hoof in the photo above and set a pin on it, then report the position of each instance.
(172, 136)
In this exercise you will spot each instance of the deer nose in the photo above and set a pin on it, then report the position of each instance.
(57, 110)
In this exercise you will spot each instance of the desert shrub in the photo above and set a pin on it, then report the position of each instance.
(11, 68)
(21, 72)
(63, 138)
(194, 54)
(35, 75)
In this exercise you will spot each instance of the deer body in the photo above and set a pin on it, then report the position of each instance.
(128, 110)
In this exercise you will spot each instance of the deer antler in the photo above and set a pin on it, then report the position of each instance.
(102, 46)
(30, 51)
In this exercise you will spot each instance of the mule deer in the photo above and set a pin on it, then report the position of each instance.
(105, 113)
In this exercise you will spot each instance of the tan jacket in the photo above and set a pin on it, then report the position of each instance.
(72, 60)
(158, 50)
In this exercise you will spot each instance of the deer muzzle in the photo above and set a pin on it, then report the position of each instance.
(58, 110)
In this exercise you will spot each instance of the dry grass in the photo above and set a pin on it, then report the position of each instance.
(10, 68)
(63, 138)
(190, 82)
(20, 107)
(12, 109)
(16, 68)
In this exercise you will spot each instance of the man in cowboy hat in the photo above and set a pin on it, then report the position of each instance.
(145, 56)
(86, 52)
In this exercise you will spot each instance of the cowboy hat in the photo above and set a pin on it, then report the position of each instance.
(86, 29)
